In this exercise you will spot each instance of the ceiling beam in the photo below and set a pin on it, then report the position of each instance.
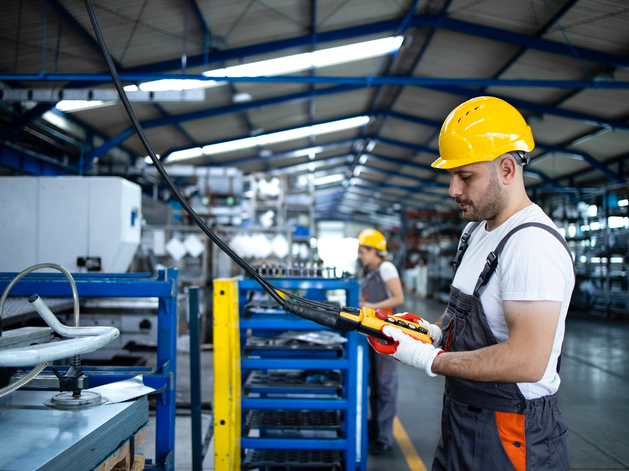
(361, 81)
(207, 113)
(540, 108)
(32, 163)
(530, 42)
(416, 21)
(17, 124)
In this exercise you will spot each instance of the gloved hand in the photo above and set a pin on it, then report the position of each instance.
(382, 346)
(434, 330)
(411, 351)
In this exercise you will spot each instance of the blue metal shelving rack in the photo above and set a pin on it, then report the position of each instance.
(132, 285)
(352, 362)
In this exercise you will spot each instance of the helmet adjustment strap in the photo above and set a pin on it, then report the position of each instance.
(521, 157)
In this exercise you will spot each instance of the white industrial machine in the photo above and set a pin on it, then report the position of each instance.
(81, 223)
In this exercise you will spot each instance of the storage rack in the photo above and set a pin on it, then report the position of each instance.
(599, 243)
(285, 421)
(132, 285)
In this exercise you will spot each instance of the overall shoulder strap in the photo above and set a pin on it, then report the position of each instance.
(463, 245)
(492, 259)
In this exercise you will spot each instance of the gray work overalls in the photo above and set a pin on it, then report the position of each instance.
(491, 426)
(383, 372)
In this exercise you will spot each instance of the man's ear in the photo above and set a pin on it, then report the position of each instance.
(507, 170)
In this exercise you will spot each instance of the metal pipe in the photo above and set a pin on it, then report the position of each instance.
(23, 273)
(87, 339)
(62, 329)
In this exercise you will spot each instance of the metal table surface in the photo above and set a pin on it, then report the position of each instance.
(34, 436)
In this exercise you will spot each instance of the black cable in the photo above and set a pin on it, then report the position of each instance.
(147, 145)
(322, 313)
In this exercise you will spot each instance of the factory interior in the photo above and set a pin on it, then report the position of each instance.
(187, 184)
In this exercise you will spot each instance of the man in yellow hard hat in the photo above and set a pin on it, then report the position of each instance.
(499, 341)
(380, 289)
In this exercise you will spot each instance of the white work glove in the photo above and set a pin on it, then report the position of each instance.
(411, 351)
(433, 330)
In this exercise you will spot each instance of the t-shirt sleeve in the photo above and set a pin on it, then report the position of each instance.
(534, 266)
(388, 271)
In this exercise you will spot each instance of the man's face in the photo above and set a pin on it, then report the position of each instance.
(477, 190)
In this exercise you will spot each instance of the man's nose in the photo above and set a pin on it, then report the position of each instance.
(455, 189)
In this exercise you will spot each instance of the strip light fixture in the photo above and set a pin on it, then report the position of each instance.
(266, 139)
(279, 66)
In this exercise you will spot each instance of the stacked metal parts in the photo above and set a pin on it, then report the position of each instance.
(64, 441)
(303, 270)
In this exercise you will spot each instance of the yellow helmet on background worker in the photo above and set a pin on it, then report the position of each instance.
(373, 238)
(480, 130)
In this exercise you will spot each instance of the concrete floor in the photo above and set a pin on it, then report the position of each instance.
(593, 397)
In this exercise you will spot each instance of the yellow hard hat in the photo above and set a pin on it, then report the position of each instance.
(373, 238)
(482, 129)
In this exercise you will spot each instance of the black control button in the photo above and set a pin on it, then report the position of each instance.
(412, 326)
(402, 323)
(391, 320)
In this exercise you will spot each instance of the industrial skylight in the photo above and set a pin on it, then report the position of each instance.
(279, 66)
(266, 139)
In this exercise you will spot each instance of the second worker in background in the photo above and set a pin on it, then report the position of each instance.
(380, 289)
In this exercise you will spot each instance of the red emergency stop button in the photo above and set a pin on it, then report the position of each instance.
(381, 314)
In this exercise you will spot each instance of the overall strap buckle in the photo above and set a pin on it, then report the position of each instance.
(463, 245)
(490, 267)
(461, 251)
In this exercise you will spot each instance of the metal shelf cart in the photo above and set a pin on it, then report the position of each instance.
(292, 405)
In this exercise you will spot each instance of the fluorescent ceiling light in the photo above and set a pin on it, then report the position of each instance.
(68, 106)
(182, 155)
(329, 179)
(271, 138)
(280, 66)
(284, 65)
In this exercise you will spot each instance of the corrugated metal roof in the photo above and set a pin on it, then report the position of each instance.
(514, 42)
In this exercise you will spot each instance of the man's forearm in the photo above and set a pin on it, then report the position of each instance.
(499, 363)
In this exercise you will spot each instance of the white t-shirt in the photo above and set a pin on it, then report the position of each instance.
(388, 271)
(533, 266)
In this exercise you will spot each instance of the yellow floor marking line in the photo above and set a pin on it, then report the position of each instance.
(413, 460)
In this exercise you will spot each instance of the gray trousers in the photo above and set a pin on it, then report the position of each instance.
(383, 385)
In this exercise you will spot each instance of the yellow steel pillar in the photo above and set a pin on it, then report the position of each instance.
(226, 376)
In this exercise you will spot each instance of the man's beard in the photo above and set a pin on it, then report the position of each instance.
(488, 206)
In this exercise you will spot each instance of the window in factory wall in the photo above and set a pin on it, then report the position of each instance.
(339, 252)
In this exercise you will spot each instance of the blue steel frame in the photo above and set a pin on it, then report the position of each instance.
(354, 363)
(129, 285)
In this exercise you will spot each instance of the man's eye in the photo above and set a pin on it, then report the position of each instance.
(465, 177)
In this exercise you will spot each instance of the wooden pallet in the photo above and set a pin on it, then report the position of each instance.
(120, 460)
